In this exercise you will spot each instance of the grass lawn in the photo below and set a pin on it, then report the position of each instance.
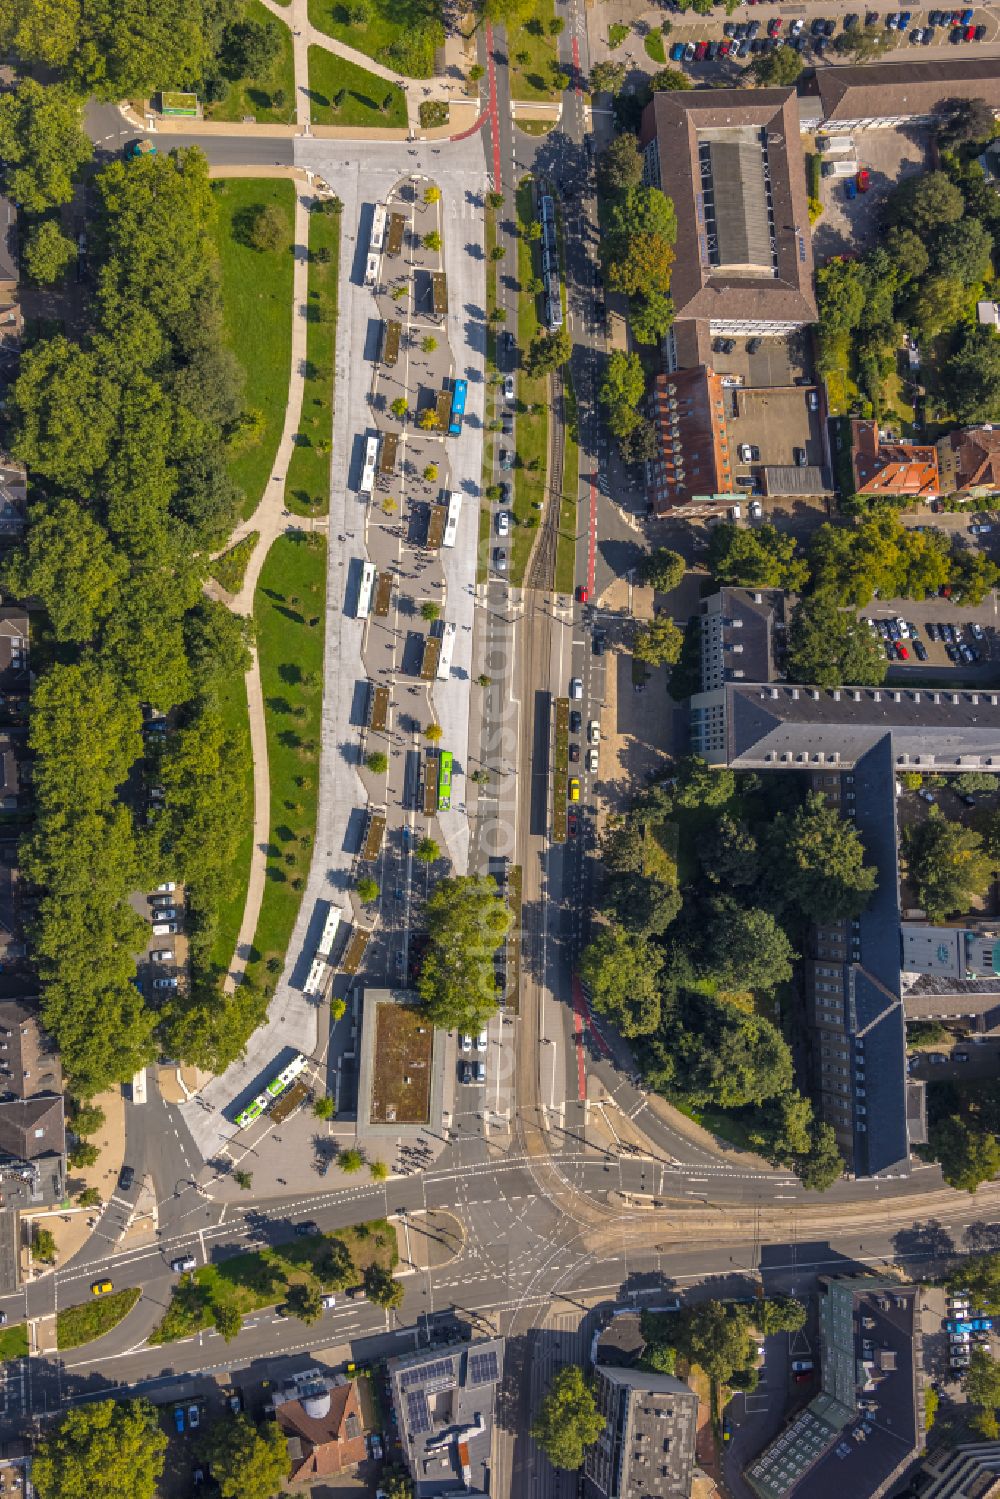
(233, 703)
(257, 310)
(270, 99)
(400, 34)
(365, 94)
(532, 432)
(288, 614)
(533, 53)
(229, 569)
(14, 1342)
(307, 487)
(263, 1278)
(653, 44)
(90, 1320)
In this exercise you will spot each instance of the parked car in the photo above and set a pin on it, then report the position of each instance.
(194, 1417)
(575, 720)
(165, 928)
(503, 523)
(179, 1422)
(593, 732)
(328, 1302)
(576, 688)
(499, 560)
(574, 752)
(482, 1040)
(165, 913)
(126, 1177)
(167, 888)
(506, 459)
(508, 387)
(182, 1265)
(304, 1230)
(166, 983)
(592, 761)
(864, 180)
(699, 51)
(802, 1365)
(676, 52)
(756, 509)
(574, 788)
(920, 649)
(162, 955)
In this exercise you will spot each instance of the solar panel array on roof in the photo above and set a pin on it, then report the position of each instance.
(483, 1368)
(418, 1417)
(440, 1374)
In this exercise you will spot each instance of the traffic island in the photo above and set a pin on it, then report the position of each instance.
(76, 1325)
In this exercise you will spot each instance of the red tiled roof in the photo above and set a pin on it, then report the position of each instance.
(892, 467)
(325, 1445)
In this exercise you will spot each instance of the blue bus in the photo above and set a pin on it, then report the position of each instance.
(458, 406)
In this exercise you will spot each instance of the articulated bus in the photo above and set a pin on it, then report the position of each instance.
(447, 651)
(275, 1088)
(451, 524)
(458, 395)
(378, 227)
(365, 591)
(444, 781)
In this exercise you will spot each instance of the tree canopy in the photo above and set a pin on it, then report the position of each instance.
(42, 144)
(817, 861)
(947, 864)
(568, 1421)
(763, 557)
(828, 646)
(105, 1449)
(466, 922)
(248, 1462)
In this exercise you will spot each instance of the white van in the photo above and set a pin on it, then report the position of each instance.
(841, 166)
(835, 145)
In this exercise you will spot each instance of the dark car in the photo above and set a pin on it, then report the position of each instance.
(850, 21)
(753, 29)
(980, 33)
(600, 642)
(928, 36)
(507, 424)
(574, 752)
(308, 1227)
(920, 650)
(572, 824)
(126, 1177)
(575, 721)
(871, 18)
(753, 344)
(933, 633)
(830, 27)
(506, 459)
(818, 27)
(821, 44)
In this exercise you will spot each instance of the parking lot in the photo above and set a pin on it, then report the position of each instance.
(967, 648)
(889, 156)
(161, 965)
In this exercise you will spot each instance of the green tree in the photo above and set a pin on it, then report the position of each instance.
(81, 1155)
(227, 1319)
(908, 253)
(761, 557)
(324, 1107)
(947, 863)
(651, 317)
(622, 971)
(638, 242)
(249, 48)
(745, 948)
(429, 344)
(962, 121)
(429, 610)
(962, 252)
(466, 923)
(777, 69)
(248, 1462)
(428, 851)
(780, 1314)
(48, 253)
(399, 408)
(432, 194)
(378, 1170)
(548, 351)
(396, 1485)
(816, 861)
(828, 646)
(925, 202)
(568, 1421)
(968, 1155)
(972, 377)
(42, 144)
(672, 79)
(619, 167)
(350, 1161)
(90, 1197)
(658, 641)
(243, 1179)
(43, 1246)
(368, 890)
(700, 785)
(269, 228)
(86, 1118)
(622, 390)
(662, 569)
(432, 241)
(106, 1449)
(382, 1287)
(717, 1337)
(864, 44)
(305, 1301)
(980, 1273)
(608, 78)
(982, 1380)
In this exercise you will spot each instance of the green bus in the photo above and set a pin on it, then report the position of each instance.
(444, 781)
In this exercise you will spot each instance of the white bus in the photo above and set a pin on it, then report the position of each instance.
(365, 590)
(447, 651)
(371, 463)
(451, 524)
(330, 926)
(378, 229)
(318, 970)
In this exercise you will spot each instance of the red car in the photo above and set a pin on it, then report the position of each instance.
(901, 651)
(724, 47)
(864, 180)
(572, 825)
(582, 594)
(970, 33)
(774, 26)
(699, 51)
